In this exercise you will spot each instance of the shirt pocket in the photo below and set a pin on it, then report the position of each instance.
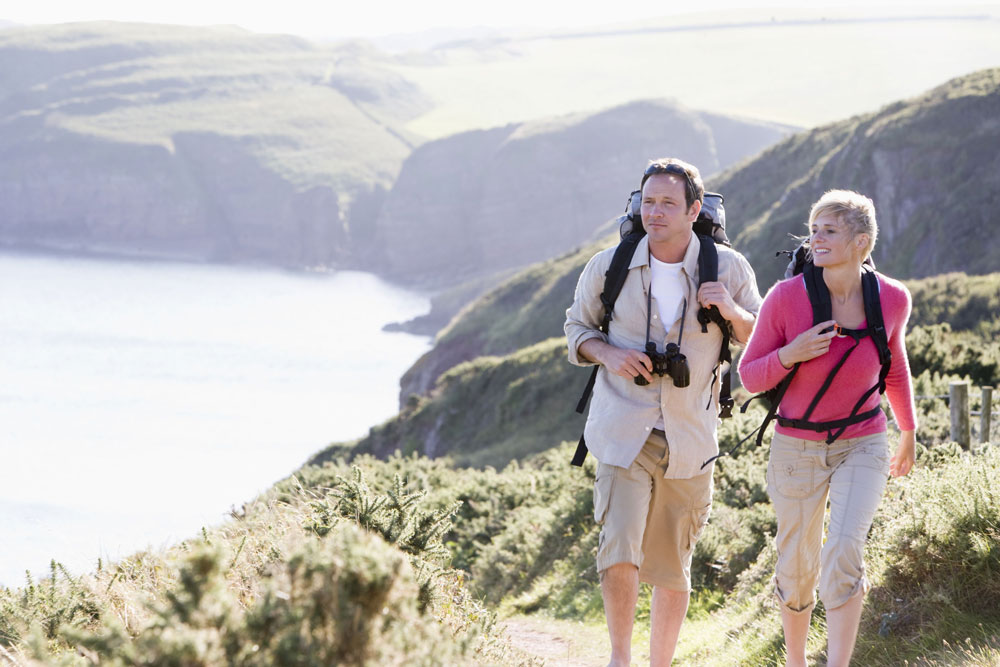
(604, 486)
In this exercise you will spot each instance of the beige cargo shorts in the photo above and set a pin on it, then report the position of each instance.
(649, 521)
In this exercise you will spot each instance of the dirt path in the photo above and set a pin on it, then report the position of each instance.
(558, 643)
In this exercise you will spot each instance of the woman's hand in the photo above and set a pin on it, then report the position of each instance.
(906, 452)
(809, 344)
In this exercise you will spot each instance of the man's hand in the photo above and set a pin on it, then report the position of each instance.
(906, 452)
(809, 344)
(626, 363)
(716, 294)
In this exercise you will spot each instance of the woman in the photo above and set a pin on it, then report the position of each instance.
(803, 468)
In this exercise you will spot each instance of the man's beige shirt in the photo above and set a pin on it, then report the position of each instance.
(622, 413)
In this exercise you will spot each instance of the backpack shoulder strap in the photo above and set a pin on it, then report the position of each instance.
(708, 260)
(614, 277)
(708, 271)
(819, 293)
(876, 330)
(873, 313)
(614, 280)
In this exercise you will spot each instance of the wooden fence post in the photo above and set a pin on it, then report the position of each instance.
(958, 400)
(986, 414)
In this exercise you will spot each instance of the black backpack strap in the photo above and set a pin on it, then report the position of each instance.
(876, 324)
(819, 297)
(819, 293)
(876, 329)
(774, 396)
(708, 271)
(614, 280)
(822, 310)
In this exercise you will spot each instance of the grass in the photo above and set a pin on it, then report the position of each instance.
(343, 575)
(451, 548)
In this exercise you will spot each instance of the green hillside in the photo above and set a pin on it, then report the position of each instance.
(196, 143)
(410, 560)
(768, 199)
(517, 396)
(130, 83)
(929, 163)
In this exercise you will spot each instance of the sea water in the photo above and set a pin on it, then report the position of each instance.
(140, 401)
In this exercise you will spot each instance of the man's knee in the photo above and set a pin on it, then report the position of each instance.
(617, 571)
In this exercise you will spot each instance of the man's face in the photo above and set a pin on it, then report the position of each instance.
(665, 215)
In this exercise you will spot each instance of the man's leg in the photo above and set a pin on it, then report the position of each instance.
(665, 618)
(678, 514)
(621, 505)
(620, 590)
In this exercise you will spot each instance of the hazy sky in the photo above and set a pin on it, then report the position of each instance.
(368, 18)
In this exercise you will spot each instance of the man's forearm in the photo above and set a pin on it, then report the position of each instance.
(592, 349)
(742, 324)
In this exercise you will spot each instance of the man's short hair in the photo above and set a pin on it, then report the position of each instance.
(694, 188)
(853, 209)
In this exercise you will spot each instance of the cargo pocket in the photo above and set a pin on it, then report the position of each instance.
(603, 487)
(699, 519)
(791, 473)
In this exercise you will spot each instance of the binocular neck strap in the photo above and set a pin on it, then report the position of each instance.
(649, 308)
(684, 310)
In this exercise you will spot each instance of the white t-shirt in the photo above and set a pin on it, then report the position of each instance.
(667, 285)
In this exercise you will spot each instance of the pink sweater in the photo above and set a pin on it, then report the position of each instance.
(786, 313)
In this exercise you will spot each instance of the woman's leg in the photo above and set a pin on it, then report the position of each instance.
(796, 628)
(842, 630)
(797, 484)
(861, 468)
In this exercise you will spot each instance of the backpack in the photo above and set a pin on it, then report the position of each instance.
(822, 311)
(710, 229)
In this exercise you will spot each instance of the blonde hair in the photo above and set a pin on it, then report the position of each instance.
(853, 209)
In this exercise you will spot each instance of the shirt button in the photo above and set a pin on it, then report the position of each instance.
(648, 428)
(656, 317)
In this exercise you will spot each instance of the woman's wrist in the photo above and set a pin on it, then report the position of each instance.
(783, 359)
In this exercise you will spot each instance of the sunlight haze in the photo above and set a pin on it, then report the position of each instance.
(341, 20)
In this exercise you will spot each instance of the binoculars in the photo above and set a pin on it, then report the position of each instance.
(669, 362)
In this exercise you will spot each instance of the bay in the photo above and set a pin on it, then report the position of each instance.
(140, 400)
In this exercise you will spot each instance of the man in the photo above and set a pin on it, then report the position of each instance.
(652, 494)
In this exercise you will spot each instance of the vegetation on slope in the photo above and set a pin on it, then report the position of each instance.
(493, 409)
(338, 574)
(380, 562)
(321, 114)
(928, 163)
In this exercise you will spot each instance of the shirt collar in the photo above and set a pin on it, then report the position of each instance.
(690, 261)
(641, 255)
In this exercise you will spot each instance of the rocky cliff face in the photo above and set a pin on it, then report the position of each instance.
(481, 202)
(207, 144)
(206, 199)
(931, 165)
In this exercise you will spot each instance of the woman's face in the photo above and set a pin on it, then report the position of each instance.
(834, 243)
